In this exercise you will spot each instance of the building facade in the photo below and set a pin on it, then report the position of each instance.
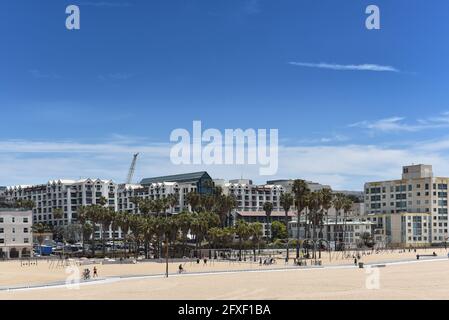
(2, 194)
(251, 197)
(418, 193)
(16, 240)
(67, 195)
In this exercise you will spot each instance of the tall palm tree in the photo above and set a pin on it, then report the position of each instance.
(173, 200)
(123, 221)
(40, 230)
(149, 230)
(338, 203)
(185, 220)
(115, 224)
(194, 200)
(87, 230)
(326, 204)
(136, 225)
(286, 201)
(300, 190)
(347, 206)
(58, 214)
(268, 208)
(224, 206)
(106, 217)
(315, 214)
(256, 236)
(243, 231)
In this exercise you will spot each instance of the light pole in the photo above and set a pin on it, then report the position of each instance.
(166, 256)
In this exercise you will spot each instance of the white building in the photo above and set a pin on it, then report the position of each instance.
(67, 195)
(153, 191)
(15, 233)
(417, 192)
(2, 194)
(349, 231)
(251, 197)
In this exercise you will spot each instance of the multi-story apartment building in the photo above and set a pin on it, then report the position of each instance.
(2, 194)
(349, 231)
(251, 197)
(287, 184)
(161, 187)
(67, 195)
(16, 240)
(417, 196)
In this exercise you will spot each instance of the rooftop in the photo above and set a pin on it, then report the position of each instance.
(184, 177)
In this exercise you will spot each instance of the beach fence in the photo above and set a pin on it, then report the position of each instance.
(28, 262)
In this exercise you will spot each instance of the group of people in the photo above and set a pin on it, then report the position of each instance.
(267, 261)
(86, 273)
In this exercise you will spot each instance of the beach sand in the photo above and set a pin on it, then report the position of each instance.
(425, 279)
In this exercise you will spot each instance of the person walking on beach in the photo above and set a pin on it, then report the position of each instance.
(205, 261)
(95, 272)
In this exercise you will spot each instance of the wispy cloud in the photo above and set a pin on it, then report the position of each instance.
(27, 162)
(398, 124)
(348, 67)
(40, 75)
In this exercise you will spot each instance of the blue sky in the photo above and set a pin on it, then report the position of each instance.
(79, 103)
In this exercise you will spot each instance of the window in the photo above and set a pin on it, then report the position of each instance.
(26, 240)
(25, 220)
(1, 220)
(2, 240)
(2, 230)
(25, 230)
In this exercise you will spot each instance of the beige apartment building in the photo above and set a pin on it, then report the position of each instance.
(410, 210)
(15, 233)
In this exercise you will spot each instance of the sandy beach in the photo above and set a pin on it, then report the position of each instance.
(400, 276)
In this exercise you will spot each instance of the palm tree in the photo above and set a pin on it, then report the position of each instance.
(256, 236)
(300, 190)
(83, 220)
(123, 222)
(338, 203)
(87, 230)
(94, 215)
(286, 201)
(106, 217)
(40, 230)
(208, 202)
(224, 206)
(347, 206)
(268, 208)
(315, 214)
(194, 200)
(115, 224)
(136, 225)
(326, 204)
(243, 231)
(185, 222)
(148, 230)
(58, 214)
(172, 201)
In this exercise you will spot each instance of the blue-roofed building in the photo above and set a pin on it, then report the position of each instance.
(201, 180)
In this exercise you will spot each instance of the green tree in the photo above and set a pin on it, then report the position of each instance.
(286, 201)
(268, 208)
(279, 231)
(300, 190)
